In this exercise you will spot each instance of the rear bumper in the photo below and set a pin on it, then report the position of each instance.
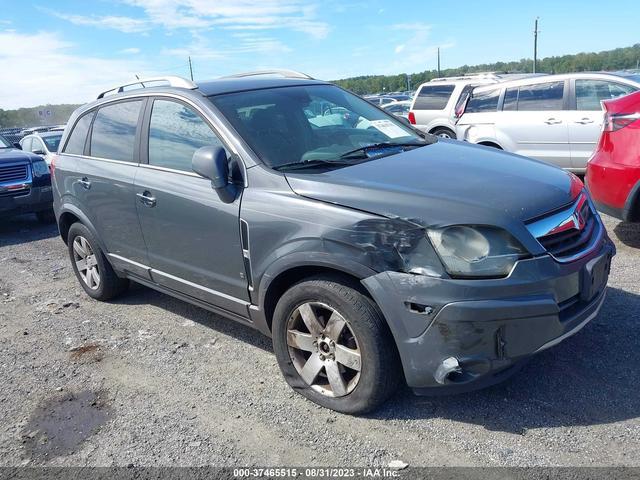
(34, 199)
(614, 187)
(490, 327)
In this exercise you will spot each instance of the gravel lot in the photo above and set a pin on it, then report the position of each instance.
(149, 380)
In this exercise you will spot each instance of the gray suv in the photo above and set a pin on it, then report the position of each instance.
(371, 253)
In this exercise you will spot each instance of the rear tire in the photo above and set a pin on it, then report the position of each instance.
(353, 366)
(444, 133)
(92, 269)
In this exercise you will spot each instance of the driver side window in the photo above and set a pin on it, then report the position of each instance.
(176, 131)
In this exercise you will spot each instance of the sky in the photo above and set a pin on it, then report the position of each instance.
(67, 51)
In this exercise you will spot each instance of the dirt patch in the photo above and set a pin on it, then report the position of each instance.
(87, 353)
(60, 425)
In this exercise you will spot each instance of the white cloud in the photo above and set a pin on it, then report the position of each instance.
(49, 71)
(130, 51)
(240, 43)
(416, 52)
(297, 15)
(122, 24)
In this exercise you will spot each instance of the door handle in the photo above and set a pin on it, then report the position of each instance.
(147, 199)
(584, 121)
(552, 121)
(86, 184)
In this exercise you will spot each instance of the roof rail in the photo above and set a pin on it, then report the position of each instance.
(171, 80)
(282, 73)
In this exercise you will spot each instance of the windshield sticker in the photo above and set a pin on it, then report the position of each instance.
(390, 129)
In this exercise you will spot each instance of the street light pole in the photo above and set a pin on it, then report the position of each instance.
(535, 46)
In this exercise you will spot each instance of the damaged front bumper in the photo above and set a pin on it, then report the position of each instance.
(459, 335)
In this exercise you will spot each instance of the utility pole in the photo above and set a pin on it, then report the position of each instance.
(535, 45)
(408, 83)
(439, 62)
(190, 68)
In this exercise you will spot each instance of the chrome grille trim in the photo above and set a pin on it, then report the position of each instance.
(571, 233)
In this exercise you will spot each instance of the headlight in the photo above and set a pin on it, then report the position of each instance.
(476, 251)
(40, 168)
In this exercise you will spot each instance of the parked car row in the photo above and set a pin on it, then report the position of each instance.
(25, 183)
(555, 118)
(432, 107)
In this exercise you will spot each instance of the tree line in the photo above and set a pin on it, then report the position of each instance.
(608, 60)
(31, 117)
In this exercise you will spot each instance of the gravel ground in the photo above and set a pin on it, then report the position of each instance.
(149, 380)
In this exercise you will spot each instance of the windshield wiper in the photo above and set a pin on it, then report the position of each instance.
(362, 151)
(311, 163)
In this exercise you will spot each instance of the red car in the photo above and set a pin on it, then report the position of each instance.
(613, 172)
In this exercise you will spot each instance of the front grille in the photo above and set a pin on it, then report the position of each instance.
(569, 233)
(13, 173)
(572, 242)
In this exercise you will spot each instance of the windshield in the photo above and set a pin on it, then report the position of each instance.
(52, 142)
(311, 123)
(4, 143)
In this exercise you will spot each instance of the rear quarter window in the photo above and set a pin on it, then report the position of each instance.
(78, 137)
(114, 131)
(433, 97)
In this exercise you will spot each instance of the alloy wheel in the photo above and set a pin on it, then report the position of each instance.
(86, 262)
(324, 349)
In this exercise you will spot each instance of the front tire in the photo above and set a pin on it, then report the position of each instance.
(444, 133)
(93, 271)
(334, 347)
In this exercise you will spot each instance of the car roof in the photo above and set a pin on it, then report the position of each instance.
(557, 78)
(232, 85)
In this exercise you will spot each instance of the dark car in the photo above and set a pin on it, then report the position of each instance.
(25, 183)
(372, 254)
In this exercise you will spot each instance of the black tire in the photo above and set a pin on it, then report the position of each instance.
(380, 372)
(46, 216)
(110, 284)
(444, 133)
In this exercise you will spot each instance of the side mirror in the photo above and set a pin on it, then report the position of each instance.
(212, 163)
(17, 145)
(38, 152)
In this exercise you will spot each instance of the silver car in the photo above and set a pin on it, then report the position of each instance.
(44, 144)
(555, 118)
(433, 106)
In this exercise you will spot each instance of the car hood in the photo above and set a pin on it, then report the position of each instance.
(444, 183)
(15, 155)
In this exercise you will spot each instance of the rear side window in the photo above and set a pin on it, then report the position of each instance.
(433, 97)
(175, 133)
(114, 131)
(510, 99)
(589, 93)
(483, 102)
(78, 137)
(541, 97)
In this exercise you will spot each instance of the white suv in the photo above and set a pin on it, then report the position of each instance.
(432, 107)
(555, 118)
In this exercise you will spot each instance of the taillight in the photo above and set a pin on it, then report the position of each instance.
(461, 107)
(616, 121)
(52, 165)
(412, 118)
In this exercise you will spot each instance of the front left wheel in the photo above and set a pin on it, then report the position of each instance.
(334, 346)
(93, 271)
